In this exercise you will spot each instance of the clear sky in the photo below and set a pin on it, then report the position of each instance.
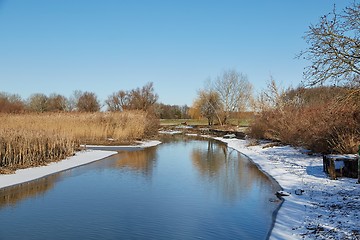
(102, 46)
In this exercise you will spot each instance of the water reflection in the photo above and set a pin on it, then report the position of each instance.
(209, 161)
(231, 172)
(138, 161)
(142, 161)
(10, 196)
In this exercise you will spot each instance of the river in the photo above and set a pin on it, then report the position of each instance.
(185, 188)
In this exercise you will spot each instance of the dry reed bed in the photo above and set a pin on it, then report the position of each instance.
(26, 148)
(37, 139)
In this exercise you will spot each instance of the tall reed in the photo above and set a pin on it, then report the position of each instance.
(36, 139)
(25, 148)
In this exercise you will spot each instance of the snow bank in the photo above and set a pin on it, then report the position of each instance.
(139, 145)
(325, 209)
(171, 132)
(29, 174)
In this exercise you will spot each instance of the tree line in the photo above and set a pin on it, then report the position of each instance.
(143, 98)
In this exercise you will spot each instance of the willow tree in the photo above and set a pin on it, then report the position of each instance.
(209, 105)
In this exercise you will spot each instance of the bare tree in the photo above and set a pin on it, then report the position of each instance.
(271, 97)
(118, 101)
(143, 98)
(137, 99)
(234, 91)
(72, 101)
(88, 102)
(56, 102)
(38, 102)
(334, 47)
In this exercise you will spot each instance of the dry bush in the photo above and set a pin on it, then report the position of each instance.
(322, 126)
(151, 125)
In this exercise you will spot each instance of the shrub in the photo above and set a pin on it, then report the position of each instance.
(322, 126)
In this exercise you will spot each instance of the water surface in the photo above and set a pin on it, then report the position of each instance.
(182, 189)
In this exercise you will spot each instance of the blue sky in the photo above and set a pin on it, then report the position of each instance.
(58, 46)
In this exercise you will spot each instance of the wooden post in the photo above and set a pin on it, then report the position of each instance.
(331, 169)
(359, 165)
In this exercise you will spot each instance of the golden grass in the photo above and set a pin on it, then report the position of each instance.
(36, 139)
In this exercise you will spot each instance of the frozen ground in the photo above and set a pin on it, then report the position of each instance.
(326, 209)
(80, 158)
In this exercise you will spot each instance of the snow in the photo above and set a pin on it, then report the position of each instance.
(171, 132)
(140, 144)
(80, 158)
(325, 209)
(146, 144)
(339, 164)
(29, 174)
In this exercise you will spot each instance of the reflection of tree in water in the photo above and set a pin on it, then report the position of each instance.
(141, 161)
(228, 170)
(10, 196)
(183, 139)
(209, 161)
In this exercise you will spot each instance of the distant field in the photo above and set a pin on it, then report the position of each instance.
(169, 122)
(243, 122)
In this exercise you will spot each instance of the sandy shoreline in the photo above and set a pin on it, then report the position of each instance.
(80, 158)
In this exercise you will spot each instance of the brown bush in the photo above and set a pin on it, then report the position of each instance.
(327, 126)
(11, 103)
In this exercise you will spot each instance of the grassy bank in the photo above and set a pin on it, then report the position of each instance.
(36, 139)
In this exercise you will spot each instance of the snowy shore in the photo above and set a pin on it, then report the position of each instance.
(325, 209)
(80, 158)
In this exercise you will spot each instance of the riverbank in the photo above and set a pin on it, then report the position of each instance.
(317, 207)
(80, 158)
